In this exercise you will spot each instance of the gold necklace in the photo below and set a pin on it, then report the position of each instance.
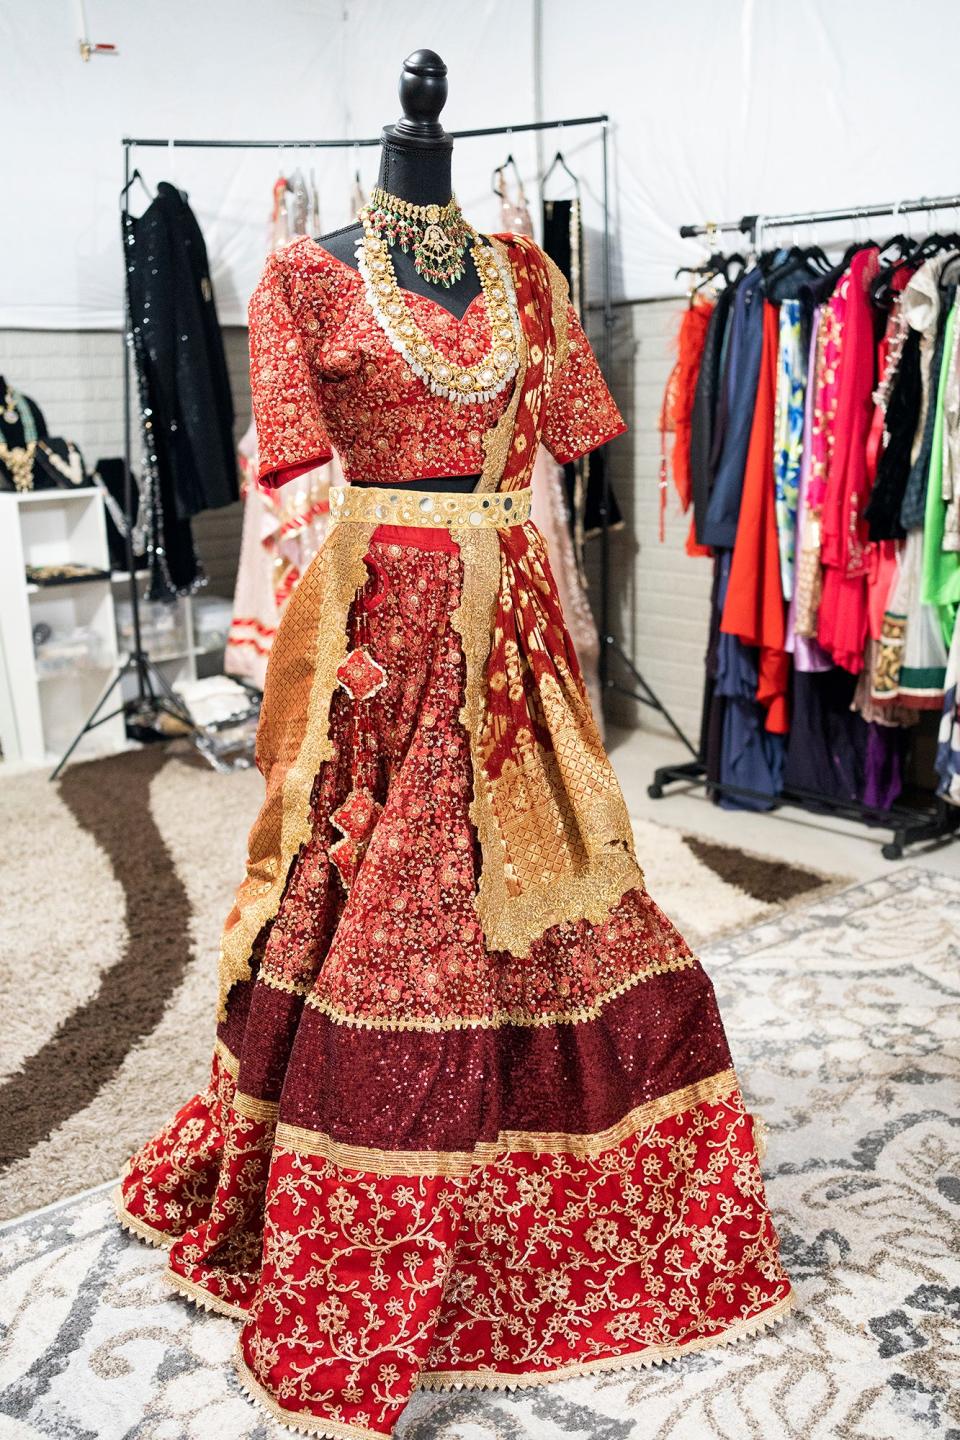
(463, 384)
(437, 234)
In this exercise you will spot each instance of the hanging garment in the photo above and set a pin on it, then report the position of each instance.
(282, 532)
(842, 615)
(788, 435)
(588, 485)
(926, 313)
(754, 610)
(951, 447)
(940, 583)
(548, 511)
(676, 410)
(948, 738)
(704, 415)
(186, 408)
(901, 419)
(549, 489)
(820, 439)
(911, 658)
(806, 651)
(751, 757)
(735, 417)
(448, 1008)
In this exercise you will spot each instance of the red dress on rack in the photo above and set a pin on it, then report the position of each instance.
(472, 1118)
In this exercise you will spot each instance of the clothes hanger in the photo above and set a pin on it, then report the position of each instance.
(559, 161)
(500, 189)
(125, 191)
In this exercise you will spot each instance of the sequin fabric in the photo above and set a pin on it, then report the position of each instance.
(423, 1162)
(324, 376)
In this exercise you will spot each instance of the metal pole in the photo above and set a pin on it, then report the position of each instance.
(747, 223)
(154, 142)
(127, 442)
(605, 491)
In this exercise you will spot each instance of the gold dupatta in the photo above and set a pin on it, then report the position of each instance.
(555, 837)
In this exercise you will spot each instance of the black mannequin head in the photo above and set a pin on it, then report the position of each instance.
(415, 162)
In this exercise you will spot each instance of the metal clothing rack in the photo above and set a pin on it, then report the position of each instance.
(153, 691)
(908, 824)
(754, 225)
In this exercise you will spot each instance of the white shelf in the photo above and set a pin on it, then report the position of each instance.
(57, 585)
(41, 713)
(51, 497)
(45, 677)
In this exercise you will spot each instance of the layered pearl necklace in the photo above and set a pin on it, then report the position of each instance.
(463, 384)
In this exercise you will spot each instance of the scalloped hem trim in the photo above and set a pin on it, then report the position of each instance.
(637, 1360)
(300, 1421)
(138, 1227)
(196, 1294)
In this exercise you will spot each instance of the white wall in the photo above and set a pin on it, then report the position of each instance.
(716, 109)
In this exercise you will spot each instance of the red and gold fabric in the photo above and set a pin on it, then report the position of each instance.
(472, 1117)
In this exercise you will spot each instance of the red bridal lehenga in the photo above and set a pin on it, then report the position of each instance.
(472, 1118)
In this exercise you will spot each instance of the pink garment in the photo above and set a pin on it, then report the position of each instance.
(549, 514)
(844, 540)
(282, 531)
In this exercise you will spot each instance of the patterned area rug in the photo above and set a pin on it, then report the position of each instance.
(843, 1020)
(115, 892)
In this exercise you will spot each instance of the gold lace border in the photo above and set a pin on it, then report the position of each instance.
(460, 1164)
(499, 1019)
(139, 1227)
(301, 1421)
(633, 1360)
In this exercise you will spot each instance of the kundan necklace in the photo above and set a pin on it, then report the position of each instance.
(438, 234)
(464, 384)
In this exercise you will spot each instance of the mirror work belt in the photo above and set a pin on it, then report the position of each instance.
(375, 504)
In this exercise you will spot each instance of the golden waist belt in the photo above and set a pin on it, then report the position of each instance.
(374, 504)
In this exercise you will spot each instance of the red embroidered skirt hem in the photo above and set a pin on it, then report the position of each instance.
(422, 1164)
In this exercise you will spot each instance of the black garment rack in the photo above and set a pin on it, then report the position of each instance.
(909, 824)
(153, 691)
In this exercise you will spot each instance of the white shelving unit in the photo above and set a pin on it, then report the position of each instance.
(41, 710)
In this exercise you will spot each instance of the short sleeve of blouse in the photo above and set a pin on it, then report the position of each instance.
(581, 412)
(291, 437)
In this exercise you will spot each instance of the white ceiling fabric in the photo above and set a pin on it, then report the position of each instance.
(715, 111)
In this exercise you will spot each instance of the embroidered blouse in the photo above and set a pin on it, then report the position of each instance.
(324, 377)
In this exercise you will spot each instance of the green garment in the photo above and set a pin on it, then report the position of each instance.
(940, 569)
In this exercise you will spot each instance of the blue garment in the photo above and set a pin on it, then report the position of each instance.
(750, 757)
(738, 398)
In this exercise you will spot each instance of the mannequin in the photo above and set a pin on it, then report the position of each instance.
(415, 165)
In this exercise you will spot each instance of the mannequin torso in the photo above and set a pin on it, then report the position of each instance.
(415, 166)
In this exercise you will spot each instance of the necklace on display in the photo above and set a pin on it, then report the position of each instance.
(437, 234)
(464, 384)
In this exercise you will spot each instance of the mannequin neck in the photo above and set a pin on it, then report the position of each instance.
(418, 173)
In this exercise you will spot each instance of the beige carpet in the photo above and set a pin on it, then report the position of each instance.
(118, 881)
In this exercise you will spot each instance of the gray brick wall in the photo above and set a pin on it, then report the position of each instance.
(659, 595)
(76, 377)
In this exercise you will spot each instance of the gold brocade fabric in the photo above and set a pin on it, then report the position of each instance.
(555, 837)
